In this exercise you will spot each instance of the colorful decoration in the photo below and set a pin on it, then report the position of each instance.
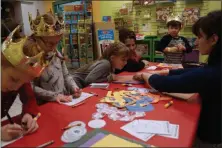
(191, 15)
(163, 13)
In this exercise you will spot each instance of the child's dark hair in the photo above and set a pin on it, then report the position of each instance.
(210, 25)
(126, 34)
(174, 23)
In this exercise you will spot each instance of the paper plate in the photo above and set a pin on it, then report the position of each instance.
(97, 123)
(83, 125)
(73, 134)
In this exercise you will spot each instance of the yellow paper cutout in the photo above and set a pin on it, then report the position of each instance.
(109, 94)
(114, 141)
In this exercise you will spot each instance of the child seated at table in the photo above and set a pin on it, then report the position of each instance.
(135, 62)
(19, 66)
(55, 83)
(102, 70)
(173, 45)
(204, 80)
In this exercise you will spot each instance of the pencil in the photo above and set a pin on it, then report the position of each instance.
(9, 118)
(46, 144)
(36, 117)
(68, 127)
(168, 104)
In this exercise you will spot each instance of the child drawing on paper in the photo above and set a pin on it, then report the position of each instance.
(101, 70)
(55, 83)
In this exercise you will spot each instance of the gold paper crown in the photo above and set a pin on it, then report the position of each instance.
(42, 28)
(13, 52)
(174, 18)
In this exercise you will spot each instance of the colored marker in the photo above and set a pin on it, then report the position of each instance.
(168, 104)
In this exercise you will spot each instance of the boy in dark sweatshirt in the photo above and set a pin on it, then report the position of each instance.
(173, 45)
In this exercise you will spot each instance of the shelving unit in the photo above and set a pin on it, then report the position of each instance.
(78, 34)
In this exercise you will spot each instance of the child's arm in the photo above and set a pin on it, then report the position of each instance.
(134, 66)
(163, 43)
(69, 82)
(46, 95)
(187, 45)
(28, 99)
(100, 73)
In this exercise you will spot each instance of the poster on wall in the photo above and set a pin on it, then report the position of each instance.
(106, 19)
(105, 37)
(162, 13)
(191, 15)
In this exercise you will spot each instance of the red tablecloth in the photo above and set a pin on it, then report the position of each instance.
(56, 116)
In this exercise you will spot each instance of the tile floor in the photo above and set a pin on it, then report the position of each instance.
(16, 108)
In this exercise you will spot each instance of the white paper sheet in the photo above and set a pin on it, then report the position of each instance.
(83, 97)
(174, 131)
(130, 128)
(152, 68)
(153, 126)
(5, 143)
(99, 85)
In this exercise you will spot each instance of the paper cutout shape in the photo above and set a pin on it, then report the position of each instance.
(142, 105)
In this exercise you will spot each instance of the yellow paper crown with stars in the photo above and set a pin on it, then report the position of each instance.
(40, 27)
(14, 53)
(174, 18)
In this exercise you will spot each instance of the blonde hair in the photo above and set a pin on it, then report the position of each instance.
(114, 49)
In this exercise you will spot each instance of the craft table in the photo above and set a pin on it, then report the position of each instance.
(55, 116)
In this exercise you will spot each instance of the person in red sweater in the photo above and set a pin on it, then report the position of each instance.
(20, 65)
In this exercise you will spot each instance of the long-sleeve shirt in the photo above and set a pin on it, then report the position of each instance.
(99, 71)
(207, 82)
(27, 98)
(132, 66)
(169, 41)
(54, 80)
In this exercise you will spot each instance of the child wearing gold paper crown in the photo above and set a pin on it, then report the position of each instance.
(19, 66)
(173, 45)
(55, 83)
(102, 70)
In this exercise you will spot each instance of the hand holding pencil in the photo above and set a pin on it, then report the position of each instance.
(29, 123)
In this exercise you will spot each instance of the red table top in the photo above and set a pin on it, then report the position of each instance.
(55, 116)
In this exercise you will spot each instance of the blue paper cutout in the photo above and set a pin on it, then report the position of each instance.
(138, 108)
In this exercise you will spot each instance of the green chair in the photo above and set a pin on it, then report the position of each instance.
(154, 54)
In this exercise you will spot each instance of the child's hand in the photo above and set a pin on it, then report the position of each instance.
(138, 77)
(171, 49)
(77, 92)
(31, 124)
(62, 98)
(10, 132)
(181, 47)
